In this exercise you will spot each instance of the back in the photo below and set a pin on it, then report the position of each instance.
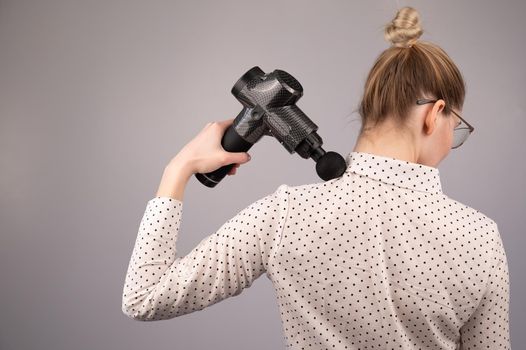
(378, 258)
(381, 258)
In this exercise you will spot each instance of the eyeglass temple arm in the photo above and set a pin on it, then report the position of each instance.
(425, 101)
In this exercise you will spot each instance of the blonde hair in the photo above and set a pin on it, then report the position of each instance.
(408, 70)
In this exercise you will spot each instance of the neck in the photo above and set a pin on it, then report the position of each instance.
(388, 144)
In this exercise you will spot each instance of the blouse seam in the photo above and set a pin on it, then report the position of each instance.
(278, 247)
(486, 284)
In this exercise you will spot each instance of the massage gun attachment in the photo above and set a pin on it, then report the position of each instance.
(269, 108)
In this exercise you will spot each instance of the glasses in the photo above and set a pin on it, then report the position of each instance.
(461, 131)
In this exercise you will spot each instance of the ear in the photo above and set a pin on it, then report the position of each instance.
(430, 120)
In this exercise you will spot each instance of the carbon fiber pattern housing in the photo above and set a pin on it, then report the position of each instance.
(270, 108)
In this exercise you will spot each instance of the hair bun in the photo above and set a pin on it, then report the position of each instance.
(405, 29)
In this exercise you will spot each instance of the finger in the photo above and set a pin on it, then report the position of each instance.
(237, 157)
(225, 123)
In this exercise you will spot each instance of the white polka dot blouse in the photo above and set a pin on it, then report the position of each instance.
(379, 258)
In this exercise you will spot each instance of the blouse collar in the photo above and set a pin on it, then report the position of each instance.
(395, 171)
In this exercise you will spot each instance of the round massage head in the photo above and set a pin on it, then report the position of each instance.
(331, 165)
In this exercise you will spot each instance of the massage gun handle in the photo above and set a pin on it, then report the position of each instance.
(231, 142)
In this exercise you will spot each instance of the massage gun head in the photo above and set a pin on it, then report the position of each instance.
(268, 90)
(269, 101)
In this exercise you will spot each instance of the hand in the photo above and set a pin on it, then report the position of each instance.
(204, 153)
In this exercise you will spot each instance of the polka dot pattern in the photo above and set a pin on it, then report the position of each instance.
(379, 258)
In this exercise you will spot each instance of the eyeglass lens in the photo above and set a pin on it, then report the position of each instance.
(460, 134)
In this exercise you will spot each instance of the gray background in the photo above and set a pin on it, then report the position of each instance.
(97, 96)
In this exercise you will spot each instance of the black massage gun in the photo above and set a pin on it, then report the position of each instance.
(269, 108)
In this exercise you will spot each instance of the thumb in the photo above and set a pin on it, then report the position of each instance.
(238, 157)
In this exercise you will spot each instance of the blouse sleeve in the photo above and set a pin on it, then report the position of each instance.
(159, 284)
(488, 326)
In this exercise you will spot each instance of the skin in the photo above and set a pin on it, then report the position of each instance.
(202, 154)
(426, 140)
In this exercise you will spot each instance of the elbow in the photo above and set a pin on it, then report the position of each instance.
(134, 309)
(150, 304)
(143, 309)
(129, 310)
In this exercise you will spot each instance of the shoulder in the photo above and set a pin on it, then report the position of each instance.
(467, 211)
(321, 186)
(314, 193)
(477, 223)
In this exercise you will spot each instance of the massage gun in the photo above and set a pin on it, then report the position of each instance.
(269, 108)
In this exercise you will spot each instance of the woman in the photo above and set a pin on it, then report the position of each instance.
(379, 258)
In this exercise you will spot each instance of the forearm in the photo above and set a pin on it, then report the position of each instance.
(174, 179)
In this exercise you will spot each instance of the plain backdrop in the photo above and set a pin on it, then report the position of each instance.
(97, 96)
